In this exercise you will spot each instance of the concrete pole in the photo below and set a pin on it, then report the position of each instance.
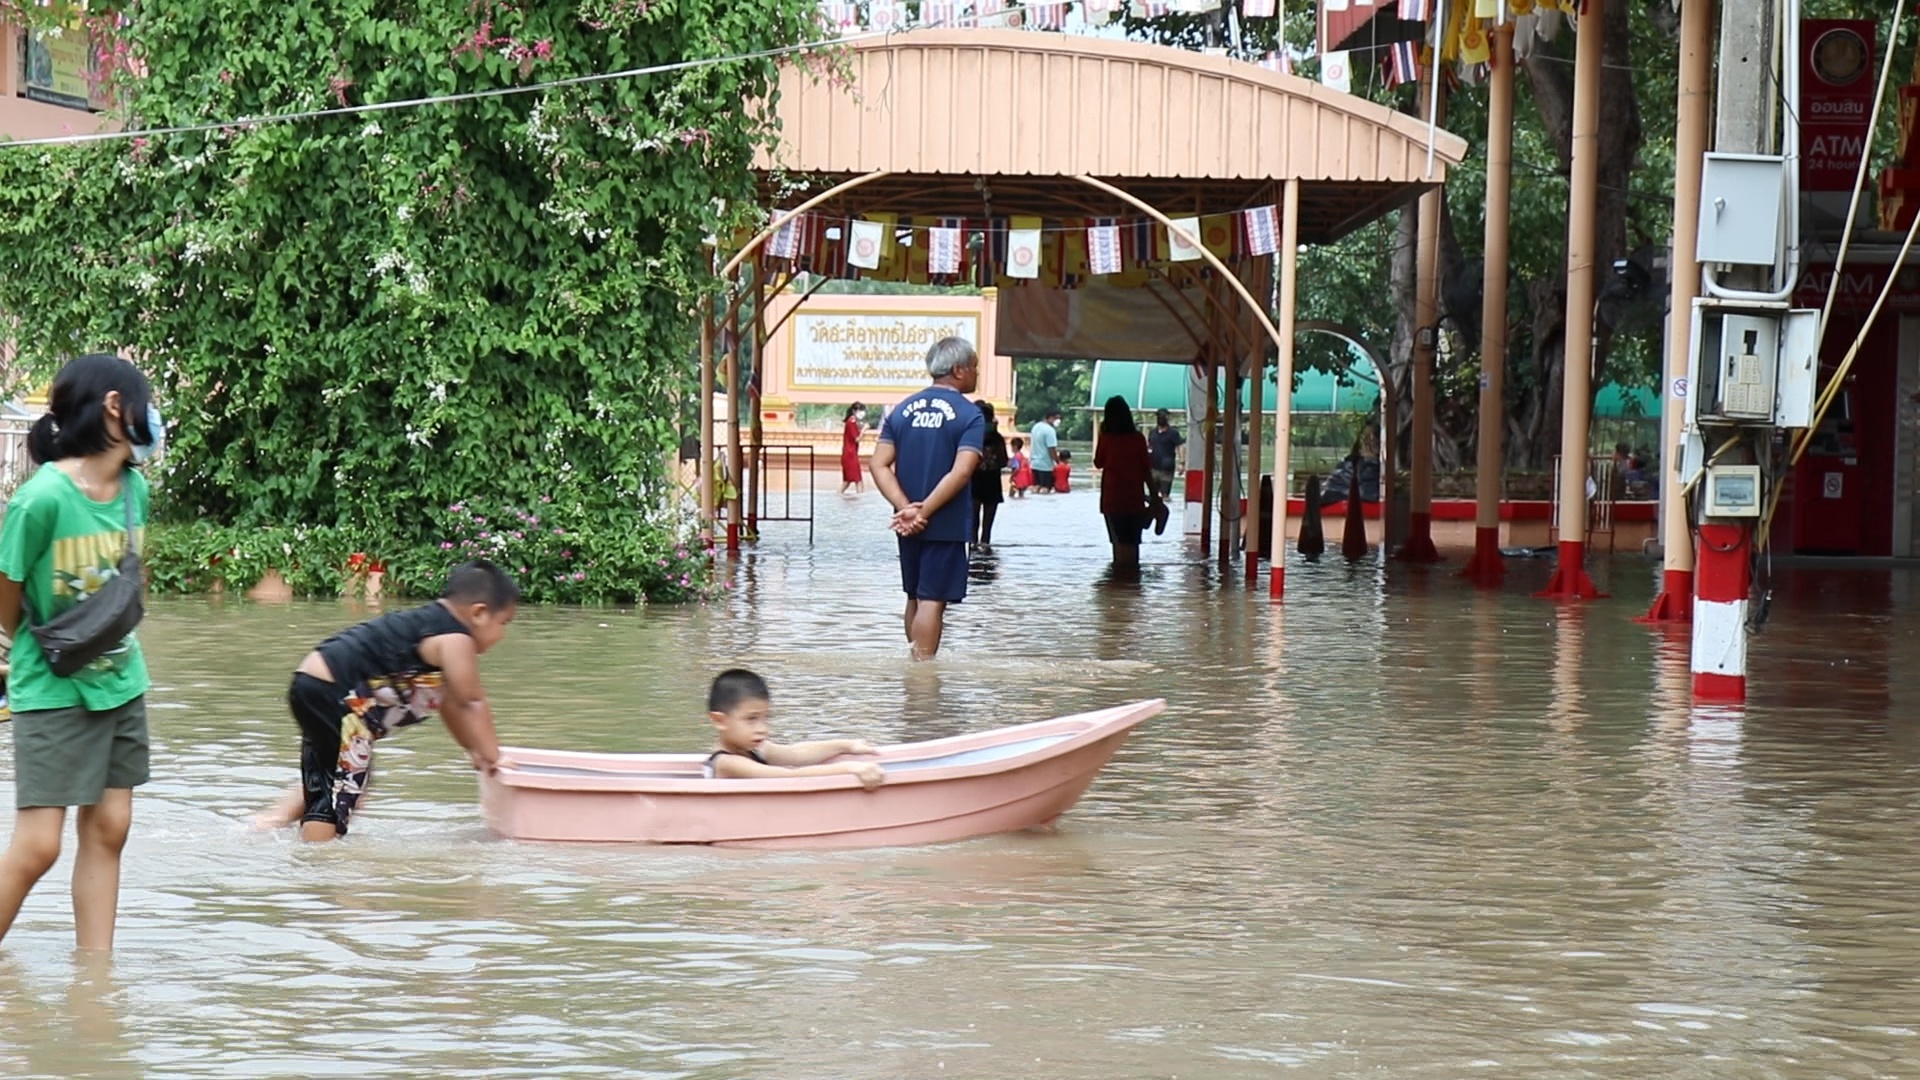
(1748, 99)
(1230, 460)
(1257, 387)
(1570, 580)
(705, 470)
(733, 429)
(1211, 471)
(1689, 145)
(1426, 306)
(1487, 567)
(1283, 394)
(761, 297)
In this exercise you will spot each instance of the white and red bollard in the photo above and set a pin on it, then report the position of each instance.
(1723, 577)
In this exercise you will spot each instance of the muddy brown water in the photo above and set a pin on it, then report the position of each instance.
(1393, 828)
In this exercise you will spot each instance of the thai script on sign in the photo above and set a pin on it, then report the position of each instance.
(881, 351)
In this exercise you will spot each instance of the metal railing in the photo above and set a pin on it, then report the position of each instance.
(786, 457)
(1599, 507)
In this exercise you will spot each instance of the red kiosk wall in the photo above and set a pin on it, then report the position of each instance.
(1842, 490)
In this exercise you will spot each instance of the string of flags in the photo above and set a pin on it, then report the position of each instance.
(893, 16)
(1013, 250)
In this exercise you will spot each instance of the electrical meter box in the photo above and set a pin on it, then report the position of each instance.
(1733, 491)
(1752, 363)
(1742, 209)
(1748, 359)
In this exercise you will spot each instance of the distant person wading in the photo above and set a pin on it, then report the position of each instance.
(852, 477)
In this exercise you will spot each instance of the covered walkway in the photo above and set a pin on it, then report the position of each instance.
(1058, 167)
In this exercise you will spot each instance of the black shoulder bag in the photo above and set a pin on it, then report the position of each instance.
(95, 626)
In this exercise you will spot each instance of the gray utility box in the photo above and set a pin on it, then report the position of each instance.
(1752, 363)
(1742, 209)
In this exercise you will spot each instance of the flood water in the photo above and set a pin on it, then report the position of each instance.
(1393, 828)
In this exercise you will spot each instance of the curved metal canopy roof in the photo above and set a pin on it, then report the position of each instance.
(998, 122)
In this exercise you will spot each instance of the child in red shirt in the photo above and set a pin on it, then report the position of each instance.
(1022, 469)
(1062, 471)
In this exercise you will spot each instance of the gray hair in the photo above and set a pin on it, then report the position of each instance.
(949, 353)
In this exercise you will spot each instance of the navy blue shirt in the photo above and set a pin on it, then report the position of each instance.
(927, 432)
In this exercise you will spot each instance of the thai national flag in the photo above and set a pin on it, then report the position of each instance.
(1416, 10)
(1403, 63)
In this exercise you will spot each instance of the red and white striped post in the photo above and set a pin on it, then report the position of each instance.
(1723, 578)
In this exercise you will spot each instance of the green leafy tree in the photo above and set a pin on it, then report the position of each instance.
(359, 320)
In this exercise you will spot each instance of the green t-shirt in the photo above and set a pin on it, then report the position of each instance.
(61, 547)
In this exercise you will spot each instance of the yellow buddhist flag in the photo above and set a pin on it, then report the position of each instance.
(1473, 43)
(1216, 232)
(1450, 41)
(1486, 9)
(1073, 239)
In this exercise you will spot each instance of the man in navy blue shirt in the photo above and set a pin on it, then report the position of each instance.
(929, 448)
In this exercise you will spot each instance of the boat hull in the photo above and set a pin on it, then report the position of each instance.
(937, 791)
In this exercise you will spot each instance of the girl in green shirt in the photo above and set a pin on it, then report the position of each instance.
(79, 740)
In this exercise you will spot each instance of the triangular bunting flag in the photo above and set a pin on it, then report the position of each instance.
(1263, 230)
(1335, 73)
(785, 241)
(943, 249)
(1403, 64)
(1178, 249)
(1258, 9)
(1023, 248)
(886, 16)
(1103, 247)
(1218, 233)
(864, 246)
(1047, 14)
(1474, 47)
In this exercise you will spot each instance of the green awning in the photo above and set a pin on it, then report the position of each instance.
(1164, 386)
(1619, 402)
(1148, 387)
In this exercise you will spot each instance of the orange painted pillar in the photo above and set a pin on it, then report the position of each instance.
(1288, 259)
(1674, 604)
(1570, 580)
(1487, 567)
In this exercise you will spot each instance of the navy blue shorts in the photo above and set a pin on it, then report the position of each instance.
(933, 569)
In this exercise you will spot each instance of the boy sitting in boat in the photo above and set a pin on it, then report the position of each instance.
(739, 703)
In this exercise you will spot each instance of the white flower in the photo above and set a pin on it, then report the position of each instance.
(404, 213)
(371, 130)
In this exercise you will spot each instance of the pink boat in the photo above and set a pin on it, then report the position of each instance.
(943, 789)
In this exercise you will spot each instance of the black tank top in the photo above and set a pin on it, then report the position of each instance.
(378, 662)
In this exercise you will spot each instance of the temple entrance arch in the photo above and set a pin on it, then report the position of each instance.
(1007, 145)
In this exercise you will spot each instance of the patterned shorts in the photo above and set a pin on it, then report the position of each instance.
(336, 750)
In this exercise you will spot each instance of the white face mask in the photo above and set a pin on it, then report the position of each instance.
(145, 452)
(859, 414)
